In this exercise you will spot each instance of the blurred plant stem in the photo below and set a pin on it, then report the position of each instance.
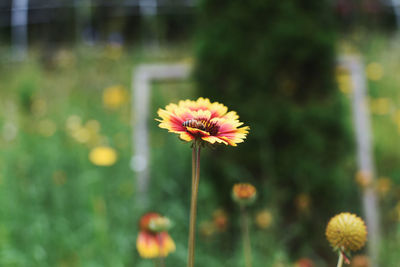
(193, 202)
(340, 261)
(246, 237)
(160, 262)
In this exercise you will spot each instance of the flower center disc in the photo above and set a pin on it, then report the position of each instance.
(204, 125)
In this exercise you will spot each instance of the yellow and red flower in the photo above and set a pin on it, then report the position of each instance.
(153, 241)
(203, 120)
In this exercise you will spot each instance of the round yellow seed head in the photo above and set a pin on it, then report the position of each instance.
(347, 232)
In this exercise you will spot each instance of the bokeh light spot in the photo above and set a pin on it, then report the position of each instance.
(103, 156)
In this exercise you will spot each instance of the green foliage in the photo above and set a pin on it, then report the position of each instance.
(273, 62)
(57, 207)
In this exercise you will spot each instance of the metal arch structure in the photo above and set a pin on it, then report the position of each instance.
(142, 78)
(365, 158)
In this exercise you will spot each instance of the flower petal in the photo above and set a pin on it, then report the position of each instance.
(154, 245)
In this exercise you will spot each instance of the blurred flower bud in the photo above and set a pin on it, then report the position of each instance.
(220, 219)
(160, 224)
(244, 194)
(264, 219)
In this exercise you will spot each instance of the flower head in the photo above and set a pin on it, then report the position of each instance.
(346, 232)
(202, 120)
(264, 219)
(244, 194)
(153, 241)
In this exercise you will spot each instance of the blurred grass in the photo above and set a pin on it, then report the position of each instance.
(59, 209)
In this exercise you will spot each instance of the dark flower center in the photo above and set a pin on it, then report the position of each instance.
(202, 124)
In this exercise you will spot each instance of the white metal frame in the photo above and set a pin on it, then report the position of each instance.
(143, 77)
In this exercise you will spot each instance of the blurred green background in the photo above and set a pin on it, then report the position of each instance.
(68, 194)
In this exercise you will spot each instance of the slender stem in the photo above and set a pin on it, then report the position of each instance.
(340, 261)
(193, 206)
(161, 262)
(246, 237)
(194, 150)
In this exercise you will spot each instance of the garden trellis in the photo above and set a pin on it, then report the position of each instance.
(365, 159)
(142, 79)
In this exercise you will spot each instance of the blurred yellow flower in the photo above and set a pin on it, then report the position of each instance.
(87, 133)
(363, 179)
(264, 219)
(103, 156)
(383, 185)
(374, 71)
(46, 127)
(380, 106)
(346, 232)
(115, 96)
(344, 80)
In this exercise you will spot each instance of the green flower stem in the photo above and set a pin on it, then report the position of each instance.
(193, 202)
(159, 262)
(194, 150)
(162, 262)
(161, 259)
(340, 261)
(246, 237)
